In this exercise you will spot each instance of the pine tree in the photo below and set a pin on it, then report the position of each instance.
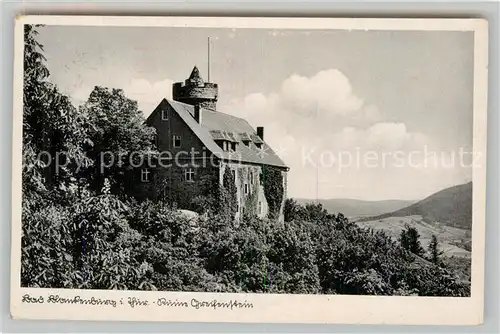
(435, 253)
(409, 240)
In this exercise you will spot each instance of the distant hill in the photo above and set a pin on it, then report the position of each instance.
(358, 208)
(451, 207)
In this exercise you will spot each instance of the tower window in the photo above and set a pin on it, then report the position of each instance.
(189, 175)
(177, 141)
(246, 188)
(164, 115)
(145, 175)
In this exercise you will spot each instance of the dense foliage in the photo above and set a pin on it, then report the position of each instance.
(75, 235)
(228, 200)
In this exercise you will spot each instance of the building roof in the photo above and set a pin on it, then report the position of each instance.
(219, 126)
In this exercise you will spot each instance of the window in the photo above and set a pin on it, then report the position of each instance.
(145, 175)
(259, 145)
(164, 115)
(189, 175)
(246, 188)
(224, 146)
(251, 178)
(177, 141)
(260, 207)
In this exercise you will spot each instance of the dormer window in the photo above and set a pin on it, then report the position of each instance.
(245, 138)
(257, 141)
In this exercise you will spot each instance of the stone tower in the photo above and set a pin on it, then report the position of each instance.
(194, 90)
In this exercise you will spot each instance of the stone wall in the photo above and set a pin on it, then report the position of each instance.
(205, 95)
(167, 180)
(253, 200)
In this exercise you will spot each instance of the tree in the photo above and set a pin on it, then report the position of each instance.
(52, 131)
(409, 240)
(293, 210)
(435, 253)
(120, 141)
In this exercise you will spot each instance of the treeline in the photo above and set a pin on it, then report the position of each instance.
(81, 229)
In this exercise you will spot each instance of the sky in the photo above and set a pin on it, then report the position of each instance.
(369, 115)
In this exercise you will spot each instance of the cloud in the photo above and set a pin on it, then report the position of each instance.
(328, 92)
(379, 136)
(312, 122)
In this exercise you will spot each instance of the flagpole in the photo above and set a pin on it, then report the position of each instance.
(208, 59)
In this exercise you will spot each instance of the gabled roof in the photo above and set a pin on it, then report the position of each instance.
(219, 126)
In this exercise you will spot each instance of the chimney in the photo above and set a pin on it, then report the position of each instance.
(260, 132)
(197, 113)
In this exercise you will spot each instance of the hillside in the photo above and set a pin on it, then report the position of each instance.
(358, 208)
(451, 207)
(452, 240)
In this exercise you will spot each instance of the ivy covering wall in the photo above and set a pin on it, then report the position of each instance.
(272, 181)
(228, 195)
(251, 203)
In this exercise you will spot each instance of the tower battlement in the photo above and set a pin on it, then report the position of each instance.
(194, 90)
